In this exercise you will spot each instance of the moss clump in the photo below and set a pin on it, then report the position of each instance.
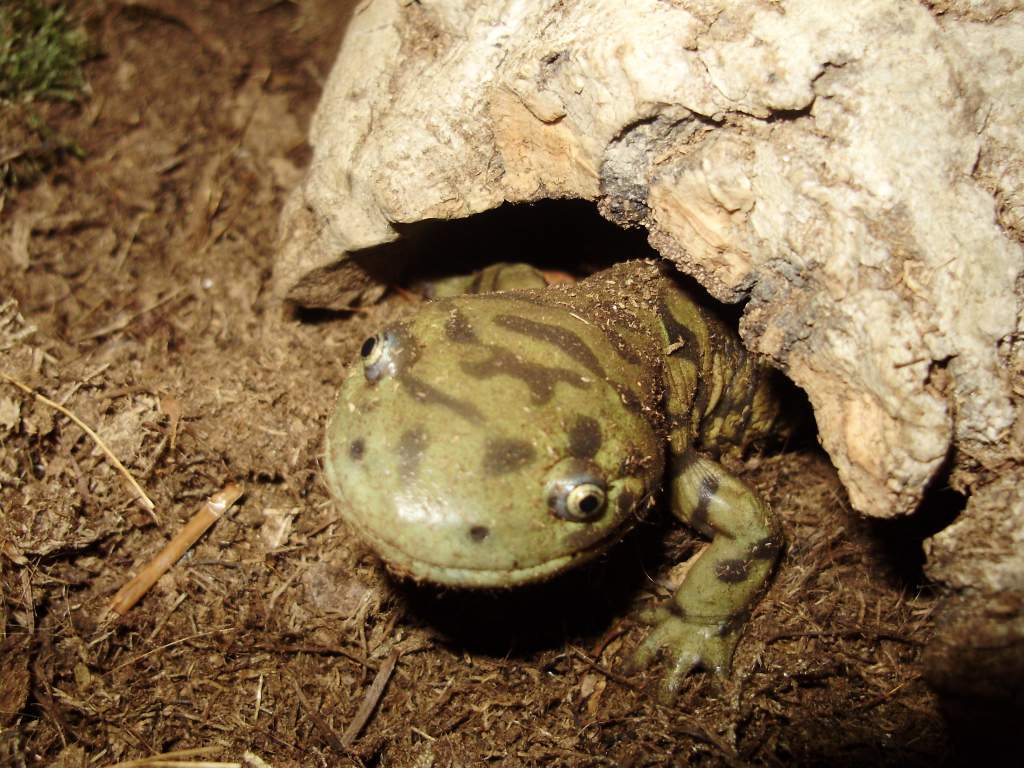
(41, 55)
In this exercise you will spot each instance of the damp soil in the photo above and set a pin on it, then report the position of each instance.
(135, 293)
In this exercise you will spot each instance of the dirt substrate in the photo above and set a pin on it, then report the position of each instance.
(141, 275)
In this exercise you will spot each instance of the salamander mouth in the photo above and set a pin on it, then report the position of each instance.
(406, 565)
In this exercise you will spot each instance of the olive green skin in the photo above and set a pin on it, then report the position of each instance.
(447, 462)
(444, 463)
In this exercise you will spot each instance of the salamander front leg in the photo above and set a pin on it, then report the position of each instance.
(701, 626)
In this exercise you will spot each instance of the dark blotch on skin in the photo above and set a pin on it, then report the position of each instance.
(584, 437)
(356, 449)
(767, 548)
(478, 279)
(503, 455)
(479, 532)
(733, 623)
(700, 519)
(700, 399)
(411, 446)
(626, 503)
(732, 571)
(676, 609)
(689, 351)
(541, 379)
(682, 462)
(458, 329)
(623, 348)
(677, 332)
(568, 341)
(428, 394)
(630, 399)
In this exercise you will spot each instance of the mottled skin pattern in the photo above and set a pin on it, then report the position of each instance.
(496, 439)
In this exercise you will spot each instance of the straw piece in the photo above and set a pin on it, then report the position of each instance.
(211, 511)
(143, 499)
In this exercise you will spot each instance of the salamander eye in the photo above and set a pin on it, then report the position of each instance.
(585, 501)
(371, 350)
(380, 354)
(577, 499)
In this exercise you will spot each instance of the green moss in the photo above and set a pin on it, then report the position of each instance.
(41, 53)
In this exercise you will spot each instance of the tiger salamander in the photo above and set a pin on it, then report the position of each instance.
(500, 438)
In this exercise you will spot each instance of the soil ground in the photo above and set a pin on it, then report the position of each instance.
(140, 284)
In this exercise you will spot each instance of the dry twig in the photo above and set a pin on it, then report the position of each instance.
(322, 725)
(598, 667)
(373, 694)
(143, 499)
(211, 511)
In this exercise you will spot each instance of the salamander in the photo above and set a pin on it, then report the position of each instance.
(511, 430)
